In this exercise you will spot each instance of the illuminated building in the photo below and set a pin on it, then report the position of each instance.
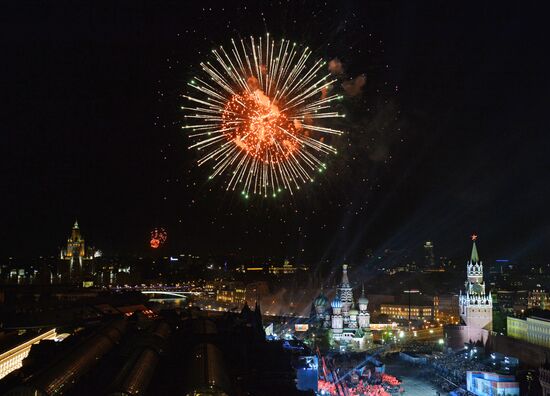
(87, 283)
(210, 289)
(447, 308)
(75, 257)
(348, 325)
(535, 330)
(516, 328)
(429, 254)
(401, 311)
(482, 383)
(252, 269)
(287, 268)
(538, 299)
(235, 293)
(12, 359)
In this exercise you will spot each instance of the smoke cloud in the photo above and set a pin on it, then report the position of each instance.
(352, 87)
(335, 67)
(355, 86)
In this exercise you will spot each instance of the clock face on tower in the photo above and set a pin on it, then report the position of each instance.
(476, 288)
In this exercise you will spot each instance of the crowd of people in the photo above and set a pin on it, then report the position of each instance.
(454, 366)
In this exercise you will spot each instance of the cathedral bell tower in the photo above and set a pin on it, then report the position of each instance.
(345, 292)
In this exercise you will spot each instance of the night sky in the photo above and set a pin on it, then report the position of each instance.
(448, 137)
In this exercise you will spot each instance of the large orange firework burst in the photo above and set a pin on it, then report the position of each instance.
(259, 116)
(260, 128)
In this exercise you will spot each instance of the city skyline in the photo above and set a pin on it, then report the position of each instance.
(426, 255)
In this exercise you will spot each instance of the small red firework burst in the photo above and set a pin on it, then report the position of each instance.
(158, 237)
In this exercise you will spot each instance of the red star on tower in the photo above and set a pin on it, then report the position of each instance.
(474, 237)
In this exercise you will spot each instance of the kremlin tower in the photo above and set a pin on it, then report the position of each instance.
(475, 305)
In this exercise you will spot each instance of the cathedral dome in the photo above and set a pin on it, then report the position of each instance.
(353, 311)
(336, 303)
(321, 300)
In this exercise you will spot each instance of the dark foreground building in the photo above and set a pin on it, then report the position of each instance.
(189, 353)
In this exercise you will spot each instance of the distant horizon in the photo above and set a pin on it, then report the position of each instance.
(409, 255)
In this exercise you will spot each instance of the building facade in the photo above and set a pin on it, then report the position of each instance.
(534, 330)
(404, 311)
(516, 328)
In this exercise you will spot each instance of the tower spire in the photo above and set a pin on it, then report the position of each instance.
(75, 226)
(345, 280)
(474, 257)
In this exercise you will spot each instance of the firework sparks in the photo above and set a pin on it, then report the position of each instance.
(158, 237)
(259, 114)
